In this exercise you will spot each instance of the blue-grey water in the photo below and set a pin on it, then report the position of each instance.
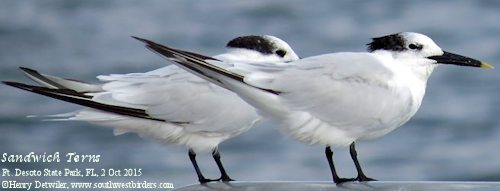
(454, 136)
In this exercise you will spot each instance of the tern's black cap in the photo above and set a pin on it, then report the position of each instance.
(394, 42)
(253, 42)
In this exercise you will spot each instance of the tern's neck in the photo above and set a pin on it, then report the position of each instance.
(412, 73)
(417, 68)
(419, 71)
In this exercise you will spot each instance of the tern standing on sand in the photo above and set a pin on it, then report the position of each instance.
(168, 105)
(334, 99)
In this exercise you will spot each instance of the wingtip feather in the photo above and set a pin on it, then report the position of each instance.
(19, 85)
(26, 69)
(142, 40)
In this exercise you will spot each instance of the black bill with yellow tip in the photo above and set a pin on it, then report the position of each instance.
(450, 58)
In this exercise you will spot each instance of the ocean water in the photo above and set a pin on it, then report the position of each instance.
(454, 136)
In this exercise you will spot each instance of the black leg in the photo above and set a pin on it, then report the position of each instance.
(192, 157)
(336, 178)
(354, 155)
(224, 177)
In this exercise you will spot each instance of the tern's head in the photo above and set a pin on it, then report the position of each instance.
(262, 48)
(418, 46)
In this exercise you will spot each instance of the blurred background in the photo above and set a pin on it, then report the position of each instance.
(454, 136)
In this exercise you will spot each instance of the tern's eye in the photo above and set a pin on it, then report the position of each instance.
(415, 46)
(280, 53)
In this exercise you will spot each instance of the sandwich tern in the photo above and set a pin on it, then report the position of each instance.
(333, 99)
(168, 105)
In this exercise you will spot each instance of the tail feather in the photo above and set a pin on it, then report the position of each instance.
(55, 82)
(79, 98)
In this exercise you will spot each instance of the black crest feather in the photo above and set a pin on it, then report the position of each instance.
(257, 43)
(393, 42)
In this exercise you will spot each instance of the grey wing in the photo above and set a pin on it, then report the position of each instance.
(340, 89)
